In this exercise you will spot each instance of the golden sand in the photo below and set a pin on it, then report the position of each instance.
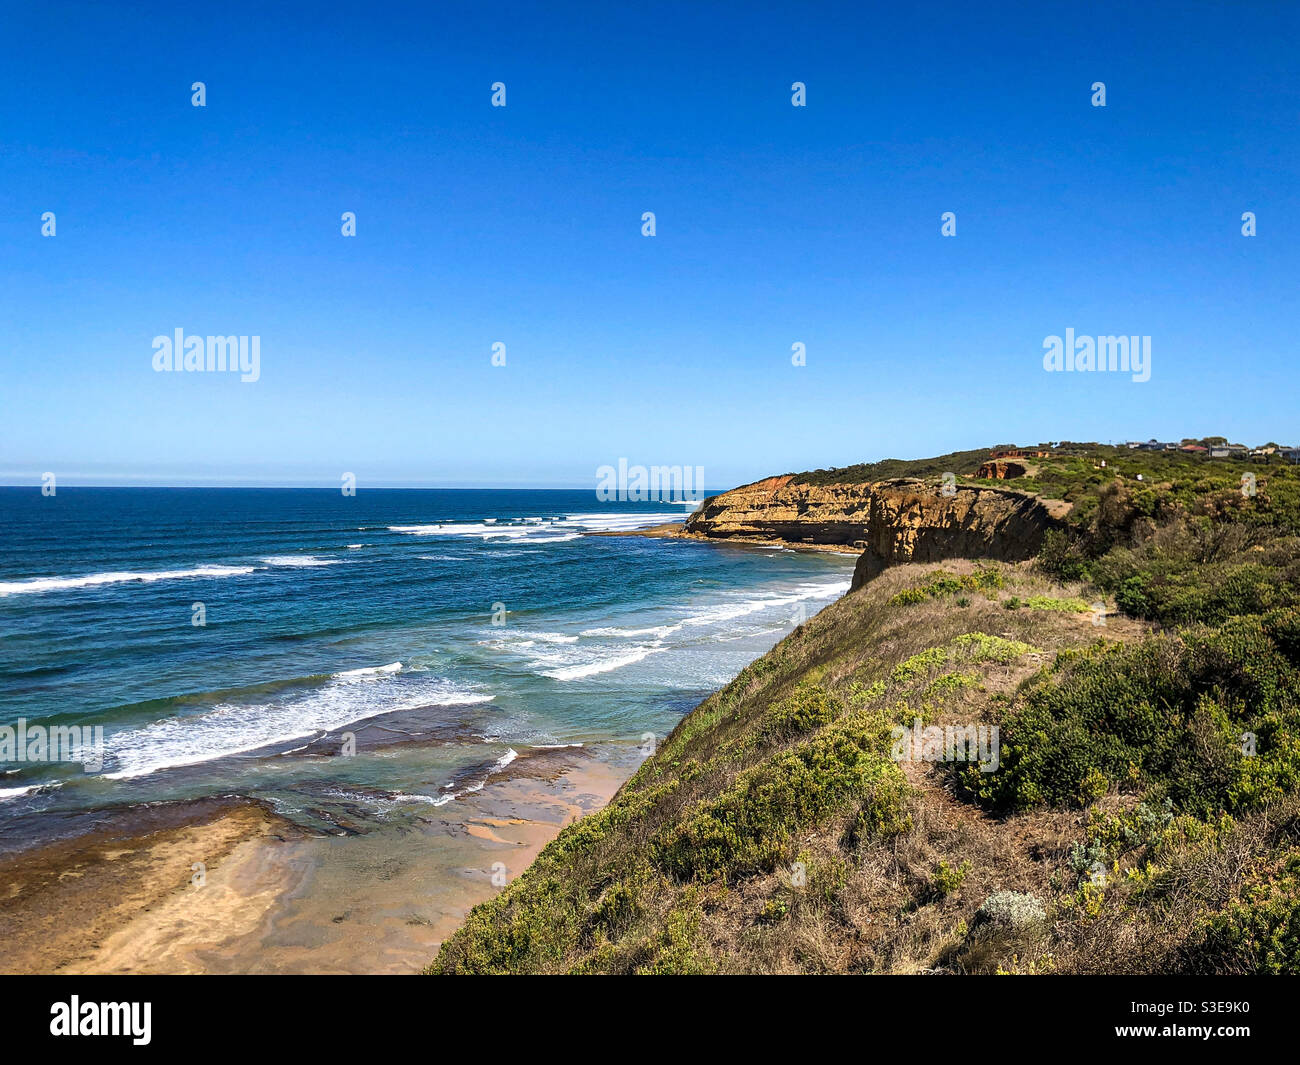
(275, 899)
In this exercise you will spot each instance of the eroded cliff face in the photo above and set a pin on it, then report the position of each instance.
(891, 521)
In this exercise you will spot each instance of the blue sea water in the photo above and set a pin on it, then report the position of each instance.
(446, 630)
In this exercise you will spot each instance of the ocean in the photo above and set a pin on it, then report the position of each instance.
(245, 642)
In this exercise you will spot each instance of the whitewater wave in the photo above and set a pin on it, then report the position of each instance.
(40, 585)
(604, 664)
(13, 793)
(535, 530)
(561, 656)
(368, 671)
(603, 649)
(442, 800)
(659, 631)
(232, 728)
(35, 585)
(619, 522)
(731, 611)
(446, 529)
(553, 637)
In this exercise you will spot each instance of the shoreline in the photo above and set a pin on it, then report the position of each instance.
(64, 902)
(277, 898)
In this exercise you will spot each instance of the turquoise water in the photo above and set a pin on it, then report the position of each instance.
(445, 630)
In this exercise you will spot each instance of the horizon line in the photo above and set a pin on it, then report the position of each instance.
(389, 487)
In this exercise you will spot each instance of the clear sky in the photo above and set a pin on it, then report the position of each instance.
(522, 225)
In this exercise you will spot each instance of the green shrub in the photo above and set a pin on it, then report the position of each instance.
(679, 950)
(808, 709)
(981, 647)
(940, 583)
(1071, 605)
(1062, 555)
(919, 664)
(946, 880)
(1168, 713)
(754, 824)
(1259, 933)
(948, 683)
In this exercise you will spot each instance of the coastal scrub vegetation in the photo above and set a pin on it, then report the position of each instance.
(886, 469)
(1143, 814)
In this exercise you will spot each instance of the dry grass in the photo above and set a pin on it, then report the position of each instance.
(842, 898)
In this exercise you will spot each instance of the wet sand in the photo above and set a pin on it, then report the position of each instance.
(278, 900)
(62, 904)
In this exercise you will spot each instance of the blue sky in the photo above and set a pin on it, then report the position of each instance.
(522, 224)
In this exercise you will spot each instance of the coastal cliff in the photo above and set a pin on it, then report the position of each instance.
(894, 521)
(957, 770)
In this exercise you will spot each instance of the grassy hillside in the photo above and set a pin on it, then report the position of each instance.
(1143, 815)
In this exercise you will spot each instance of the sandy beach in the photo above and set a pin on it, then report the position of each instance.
(277, 900)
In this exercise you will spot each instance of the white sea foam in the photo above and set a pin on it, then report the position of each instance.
(602, 664)
(300, 561)
(402, 796)
(368, 671)
(13, 793)
(744, 607)
(537, 530)
(658, 631)
(618, 522)
(54, 584)
(512, 639)
(604, 649)
(446, 529)
(731, 610)
(553, 637)
(510, 755)
(560, 656)
(231, 728)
